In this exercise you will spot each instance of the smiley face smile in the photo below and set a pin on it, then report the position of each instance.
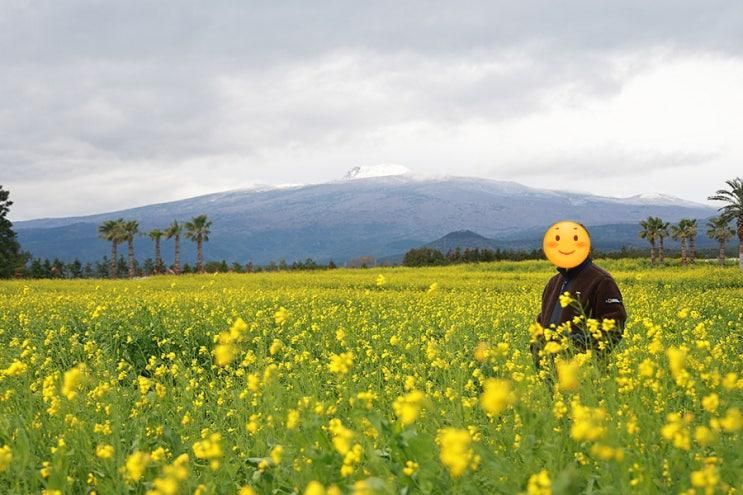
(566, 254)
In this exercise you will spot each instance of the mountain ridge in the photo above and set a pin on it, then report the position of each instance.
(377, 216)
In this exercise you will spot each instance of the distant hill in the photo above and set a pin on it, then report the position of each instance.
(463, 239)
(367, 213)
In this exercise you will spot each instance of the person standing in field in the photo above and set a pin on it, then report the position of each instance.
(592, 291)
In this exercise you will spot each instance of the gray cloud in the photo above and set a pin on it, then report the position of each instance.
(188, 96)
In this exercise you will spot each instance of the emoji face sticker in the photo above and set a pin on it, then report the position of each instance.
(566, 244)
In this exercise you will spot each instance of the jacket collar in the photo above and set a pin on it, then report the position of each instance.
(571, 273)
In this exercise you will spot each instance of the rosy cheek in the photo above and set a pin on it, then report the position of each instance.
(552, 244)
(581, 244)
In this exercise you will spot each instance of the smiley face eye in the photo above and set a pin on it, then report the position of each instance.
(575, 237)
(557, 237)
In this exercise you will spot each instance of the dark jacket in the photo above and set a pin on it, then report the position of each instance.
(597, 293)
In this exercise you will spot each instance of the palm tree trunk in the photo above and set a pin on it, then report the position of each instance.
(722, 253)
(683, 251)
(661, 251)
(158, 259)
(113, 258)
(692, 248)
(177, 254)
(130, 253)
(652, 252)
(200, 255)
(740, 241)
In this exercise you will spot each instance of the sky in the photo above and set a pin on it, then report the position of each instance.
(111, 105)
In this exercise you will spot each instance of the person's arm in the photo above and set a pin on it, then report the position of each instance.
(608, 304)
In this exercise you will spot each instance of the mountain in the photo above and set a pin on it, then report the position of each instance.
(463, 239)
(377, 211)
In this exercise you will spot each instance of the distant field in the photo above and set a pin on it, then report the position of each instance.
(386, 380)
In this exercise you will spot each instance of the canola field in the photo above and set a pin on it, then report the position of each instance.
(378, 381)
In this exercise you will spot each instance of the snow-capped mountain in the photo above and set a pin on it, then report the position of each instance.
(376, 211)
(384, 170)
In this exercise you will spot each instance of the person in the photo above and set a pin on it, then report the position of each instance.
(592, 290)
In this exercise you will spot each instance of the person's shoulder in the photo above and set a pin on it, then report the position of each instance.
(599, 273)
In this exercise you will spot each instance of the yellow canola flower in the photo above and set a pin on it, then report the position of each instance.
(497, 396)
(567, 375)
(276, 454)
(552, 347)
(676, 359)
(539, 484)
(224, 354)
(168, 482)
(292, 419)
(281, 316)
(6, 457)
(209, 448)
(566, 299)
(711, 402)
(381, 280)
(732, 422)
(104, 451)
(407, 407)
(676, 430)
(588, 422)
(16, 368)
(482, 352)
(606, 453)
(247, 490)
(135, 465)
(704, 436)
(341, 363)
(73, 380)
(342, 436)
(456, 453)
(314, 488)
(706, 479)
(410, 468)
(317, 488)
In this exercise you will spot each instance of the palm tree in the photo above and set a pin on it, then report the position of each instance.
(131, 229)
(691, 235)
(174, 230)
(661, 233)
(156, 235)
(650, 232)
(719, 230)
(113, 231)
(198, 231)
(734, 209)
(679, 233)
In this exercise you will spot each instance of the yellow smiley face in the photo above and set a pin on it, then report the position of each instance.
(566, 244)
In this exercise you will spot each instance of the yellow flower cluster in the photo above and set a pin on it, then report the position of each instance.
(209, 448)
(498, 396)
(6, 457)
(408, 407)
(456, 453)
(227, 343)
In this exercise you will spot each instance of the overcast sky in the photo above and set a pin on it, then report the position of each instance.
(108, 105)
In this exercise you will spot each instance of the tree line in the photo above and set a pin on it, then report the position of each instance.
(56, 268)
(121, 231)
(656, 231)
(427, 256)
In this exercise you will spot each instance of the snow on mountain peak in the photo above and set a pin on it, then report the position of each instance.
(383, 170)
